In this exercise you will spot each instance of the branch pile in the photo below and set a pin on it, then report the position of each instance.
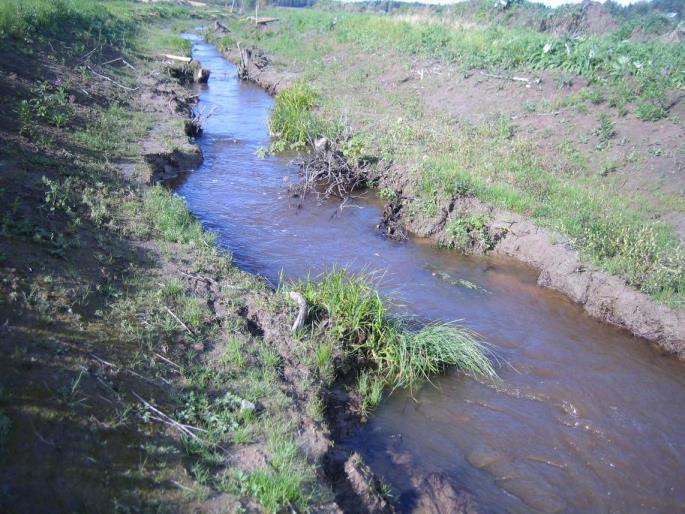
(328, 173)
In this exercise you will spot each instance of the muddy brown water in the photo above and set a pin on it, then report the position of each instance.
(586, 418)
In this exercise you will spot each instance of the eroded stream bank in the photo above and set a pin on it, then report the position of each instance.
(586, 417)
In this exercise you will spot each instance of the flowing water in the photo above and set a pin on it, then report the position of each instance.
(586, 418)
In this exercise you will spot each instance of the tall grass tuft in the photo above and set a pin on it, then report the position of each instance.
(393, 349)
(293, 121)
(429, 351)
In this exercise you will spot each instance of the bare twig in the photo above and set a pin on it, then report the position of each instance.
(168, 420)
(118, 59)
(179, 320)
(197, 276)
(130, 371)
(507, 77)
(111, 80)
(167, 360)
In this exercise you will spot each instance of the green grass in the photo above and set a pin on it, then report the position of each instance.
(173, 219)
(398, 353)
(234, 354)
(284, 484)
(293, 121)
(25, 19)
(478, 162)
(158, 42)
(116, 132)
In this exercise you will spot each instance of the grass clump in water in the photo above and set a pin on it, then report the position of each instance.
(293, 121)
(395, 352)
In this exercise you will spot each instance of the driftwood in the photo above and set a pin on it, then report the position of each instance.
(302, 310)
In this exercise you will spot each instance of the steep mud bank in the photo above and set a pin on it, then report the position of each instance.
(603, 296)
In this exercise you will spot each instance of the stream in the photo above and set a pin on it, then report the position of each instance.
(586, 417)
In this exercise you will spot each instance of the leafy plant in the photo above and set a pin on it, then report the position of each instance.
(470, 229)
(605, 131)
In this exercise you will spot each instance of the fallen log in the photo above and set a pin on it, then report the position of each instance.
(263, 21)
(177, 57)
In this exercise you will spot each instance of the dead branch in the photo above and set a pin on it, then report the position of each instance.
(514, 78)
(328, 173)
(168, 420)
(179, 320)
(167, 360)
(111, 80)
(126, 63)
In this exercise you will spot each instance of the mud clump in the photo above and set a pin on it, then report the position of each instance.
(188, 72)
(437, 495)
(169, 165)
(391, 225)
(254, 66)
(366, 486)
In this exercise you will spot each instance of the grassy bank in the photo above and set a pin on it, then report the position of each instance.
(116, 301)
(569, 178)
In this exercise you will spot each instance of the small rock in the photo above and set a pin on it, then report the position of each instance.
(246, 405)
